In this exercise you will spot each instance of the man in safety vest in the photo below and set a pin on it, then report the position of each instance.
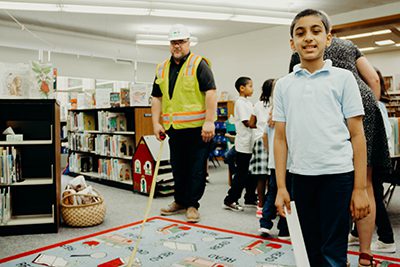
(184, 106)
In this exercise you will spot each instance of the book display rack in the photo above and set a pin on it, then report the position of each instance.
(102, 142)
(29, 166)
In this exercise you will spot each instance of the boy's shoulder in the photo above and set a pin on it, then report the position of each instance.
(288, 78)
(340, 72)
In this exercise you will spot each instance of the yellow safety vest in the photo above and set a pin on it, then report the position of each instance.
(186, 108)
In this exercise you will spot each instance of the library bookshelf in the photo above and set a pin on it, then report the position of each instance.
(30, 169)
(102, 142)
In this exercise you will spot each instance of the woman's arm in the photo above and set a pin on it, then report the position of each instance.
(369, 75)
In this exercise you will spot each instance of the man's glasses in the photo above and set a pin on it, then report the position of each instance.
(178, 42)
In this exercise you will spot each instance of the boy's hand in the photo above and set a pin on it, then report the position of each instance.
(282, 199)
(359, 205)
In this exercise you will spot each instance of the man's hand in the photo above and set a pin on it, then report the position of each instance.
(208, 131)
(158, 130)
(359, 205)
(282, 199)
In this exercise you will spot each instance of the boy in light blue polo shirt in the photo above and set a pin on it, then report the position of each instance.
(318, 113)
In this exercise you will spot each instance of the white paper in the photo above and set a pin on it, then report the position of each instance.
(296, 236)
(9, 130)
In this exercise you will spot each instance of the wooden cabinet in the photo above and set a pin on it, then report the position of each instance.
(30, 175)
(143, 123)
(102, 142)
(225, 109)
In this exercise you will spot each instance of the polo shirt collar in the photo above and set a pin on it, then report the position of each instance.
(326, 68)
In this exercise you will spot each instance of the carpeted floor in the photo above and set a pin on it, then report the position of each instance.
(167, 242)
(124, 207)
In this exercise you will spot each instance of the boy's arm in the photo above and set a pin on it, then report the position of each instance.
(280, 154)
(252, 122)
(359, 205)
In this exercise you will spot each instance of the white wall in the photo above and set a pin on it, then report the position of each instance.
(83, 66)
(260, 55)
(265, 53)
(388, 63)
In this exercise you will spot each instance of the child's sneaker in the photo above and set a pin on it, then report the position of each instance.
(353, 240)
(233, 206)
(264, 231)
(251, 204)
(284, 235)
(379, 246)
(259, 212)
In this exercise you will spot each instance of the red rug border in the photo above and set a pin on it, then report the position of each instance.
(27, 253)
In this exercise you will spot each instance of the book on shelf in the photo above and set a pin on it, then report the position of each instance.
(125, 98)
(88, 121)
(5, 205)
(115, 99)
(126, 146)
(86, 163)
(10, 165)
(111, 121)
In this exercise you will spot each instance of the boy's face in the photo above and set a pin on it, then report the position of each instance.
(247, 90)
(310, 38)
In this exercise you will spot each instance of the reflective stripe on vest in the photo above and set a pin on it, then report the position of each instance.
(192, 60)
(161, 70)
(182, 117)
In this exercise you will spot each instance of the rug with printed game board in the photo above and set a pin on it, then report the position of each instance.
(167, 242)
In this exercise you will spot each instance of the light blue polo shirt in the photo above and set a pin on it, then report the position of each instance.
(314, 107)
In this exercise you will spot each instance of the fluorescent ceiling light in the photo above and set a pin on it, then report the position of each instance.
(261, 19)
(385, 42)
(367, 49)
(154, 39)
(189, 14)
(28, 6)
(152, 42)
(366, 34)
(105, 10)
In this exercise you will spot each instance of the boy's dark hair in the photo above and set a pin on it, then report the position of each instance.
(385, 97)
(266, 90)
(311, 12)
(242, 81)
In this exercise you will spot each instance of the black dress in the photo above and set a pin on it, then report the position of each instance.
(344, 54)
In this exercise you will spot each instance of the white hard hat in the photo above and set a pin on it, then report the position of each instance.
(178, 32)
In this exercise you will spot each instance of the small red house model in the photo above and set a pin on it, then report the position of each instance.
(144, 163)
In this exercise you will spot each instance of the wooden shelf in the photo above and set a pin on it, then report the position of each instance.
(23, 143)
(31, 181)
(100, 132)
(100, 155)
(138, 124)
(30, 219)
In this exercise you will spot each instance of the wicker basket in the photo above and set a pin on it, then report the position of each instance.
(83, 215)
